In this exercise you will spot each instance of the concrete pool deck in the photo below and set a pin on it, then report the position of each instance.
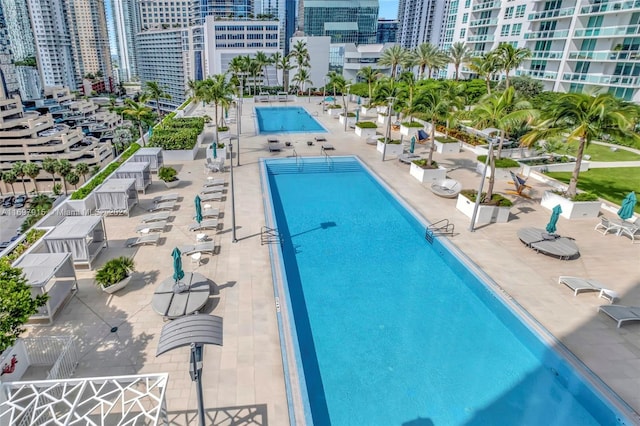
(243, 379)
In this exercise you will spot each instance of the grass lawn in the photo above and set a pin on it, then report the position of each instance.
(611, 184)
(604, 153)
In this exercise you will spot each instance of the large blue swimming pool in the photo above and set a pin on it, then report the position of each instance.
(389, 329)
(272, 120)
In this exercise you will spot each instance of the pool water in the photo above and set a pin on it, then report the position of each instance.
(272, 120)
(392, 330)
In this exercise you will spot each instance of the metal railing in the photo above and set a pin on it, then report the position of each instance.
(57, 351)
(270, 236)
(327, 157)
(441, 227)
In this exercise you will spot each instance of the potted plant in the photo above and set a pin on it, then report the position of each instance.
(350, 117)
(222, 150)
(223, 132)
(410, 128)
(382, 117)
(169, 176)
(427, 173)
(366, 108)
(495, 210)
(502, 167)
(394, 147)
(207, 120)
(334, 110)
(115, 274)
(366, 129)
(580, 206)
(447, 145)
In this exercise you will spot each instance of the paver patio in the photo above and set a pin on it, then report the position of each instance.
(243, 379)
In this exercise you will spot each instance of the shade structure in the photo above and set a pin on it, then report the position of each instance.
(198, 209)
(329, 99)
(555, 214)
(178, 273)
(629, 202)
(412, 147)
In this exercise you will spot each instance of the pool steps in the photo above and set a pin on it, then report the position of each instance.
(315, 166)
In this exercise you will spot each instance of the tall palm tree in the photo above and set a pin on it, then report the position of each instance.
(10, 178)
(82, 169)
(275, 59)
(458, 55)
(485, 66)
(301, 78)
(219, 91)
(583, 118)
(72, 178)
(194, 90)
(456, 94)
(262, 60)
(503, 111)
(435, 105)
(392, 57)
(138, 112)
(409, 80)
(511, 58)
(32, 170)
(300, 53)
(337, 82)
(285, 65)
(427, 56)
(155, 91)
(63, 168)
(49, 166)
(369, 75)
(18, 170)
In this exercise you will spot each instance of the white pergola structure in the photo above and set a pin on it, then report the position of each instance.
(103, 401)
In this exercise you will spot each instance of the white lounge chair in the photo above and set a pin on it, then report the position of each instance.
(582, 285)
(155, 217)
(605, 226)
(212, 189)
(275, 147)
(327, 147)
(212, 212)
(447, 188)
(145, 228)
(205, 247)
(205, 224)
(629, 229)
(216, 196)
(144, 240)
(166, 197)
(169, 205)
(621, 313)
(213, 183)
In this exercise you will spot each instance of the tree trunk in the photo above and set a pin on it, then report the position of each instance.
(216, 115)
(492, 178)
(141, 134)
(266, 75)
(500, 142)
(433, 145)
(64, 183)
(158, 107)
(370, 94)
(35, 185)
(507, 78)
(24, 187)
(488, 81)
(457, 67)
(573, 183)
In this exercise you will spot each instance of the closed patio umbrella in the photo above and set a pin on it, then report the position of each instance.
(198, 209)
(178, 273)
(214, 148)
(412, 147)
(357, 115)
(629, 202)
(555, 214)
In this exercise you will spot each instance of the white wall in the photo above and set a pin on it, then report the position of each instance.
(318, 48)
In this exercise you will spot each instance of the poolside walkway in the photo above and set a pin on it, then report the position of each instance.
(243, 379)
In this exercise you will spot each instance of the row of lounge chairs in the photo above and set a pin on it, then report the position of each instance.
(617, 226)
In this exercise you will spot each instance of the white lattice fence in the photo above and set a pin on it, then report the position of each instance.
(57, 351)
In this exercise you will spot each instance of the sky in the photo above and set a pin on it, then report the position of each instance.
(388, 9)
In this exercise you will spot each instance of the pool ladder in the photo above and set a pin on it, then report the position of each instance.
(441, 227)
(270, 236)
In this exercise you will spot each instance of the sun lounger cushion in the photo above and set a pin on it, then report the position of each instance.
(217, 196)
(327, 147)
(206, 247)
(151, 227)
(169, 205)
(580, 285)
(621, 313)
(143, 240)
(275, 147)
(212, 189)
(205, 224)
(166, 197)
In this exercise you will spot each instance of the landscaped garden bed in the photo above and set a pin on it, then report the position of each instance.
(178, 137)
(495, 211)
(366, 129)
(446, 145)
(393, 147)
(503, 167)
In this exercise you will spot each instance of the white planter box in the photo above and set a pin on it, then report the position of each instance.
(364, 110)
(172, 184)
(223, 135)
(571, 209)
(486, 214)
(502, 174)
(554, 167)
(179, 155)
(409, 131)
(382, 119)
(392, 148)
(334, 111)
(427, 176)
(350, 120)
(115, 287)
(365, 133)
(381, 108)
(447, 148)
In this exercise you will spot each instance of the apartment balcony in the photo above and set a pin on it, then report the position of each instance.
(486, 6)
(609, 80)
(486, 22)
(547, 54)
(605, 55)
(608, 31)
(617, 6)
(480, 38)
(541, 74)
(567, 12)
(537, 35)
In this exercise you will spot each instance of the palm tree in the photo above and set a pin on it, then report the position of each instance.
(485, 66)
(262, 60)
(409, 80)
(301, 78)
(219, 91)
(369, 75)
(502, 111)
(194, 90)
(155, 91)
(393, 56)
(458, 55)
(583, 118)
(82, 169)
(49, 166)
(435, 105)
(32, 170)
(456, 94)
(285, 65)
(337, 82)
(427, 56)
(138, 112)
(275, 59)
(300, 53)
(18, 169)
(10, 178)
(511, 58)
(63, 168)
(72, 178)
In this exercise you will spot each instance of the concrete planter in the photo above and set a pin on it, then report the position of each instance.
(392, 148)
(223, 135)
(382, 119)
(364, 110)
(447, 148)
(172, 184)
(365, 133)
(350, 120)
(486, 214)
(553, 167)
(180, 155)
(502, 174)
(427, 176)
(409, 131)
(334, 111)
(115, 287)
(571, 209)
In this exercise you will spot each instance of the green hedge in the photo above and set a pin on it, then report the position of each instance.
(177, 133)
(496, 199)
(31, 237)
(446, 140)
(95, 181)
(501, 163)
(366, 125)
(412, 124)
(391, 142)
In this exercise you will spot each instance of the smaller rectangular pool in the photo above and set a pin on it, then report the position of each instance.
(286, 120)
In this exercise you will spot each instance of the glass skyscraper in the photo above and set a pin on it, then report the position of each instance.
(353, 21)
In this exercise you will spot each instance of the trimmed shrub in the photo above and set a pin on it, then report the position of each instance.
(501, 163)
(412, 124)
(366, 125)
(496, 199)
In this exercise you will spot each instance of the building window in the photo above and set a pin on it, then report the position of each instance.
(508, 12)
(504, 31)
(515, 31)
(463, 32)
(520, 10)
(465, 17)
(467, 3)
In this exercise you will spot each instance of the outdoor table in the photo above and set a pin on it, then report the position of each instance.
(172, 303)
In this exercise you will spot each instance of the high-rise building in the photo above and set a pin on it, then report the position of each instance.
(344, 21)
(53, 43)
(87, 26)
(126, 24)
(285, 12)
(387, 31)
(576, 45)
(421, 21)
(8, 75)
(18, 36)
(165, 15)
(226, 9)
